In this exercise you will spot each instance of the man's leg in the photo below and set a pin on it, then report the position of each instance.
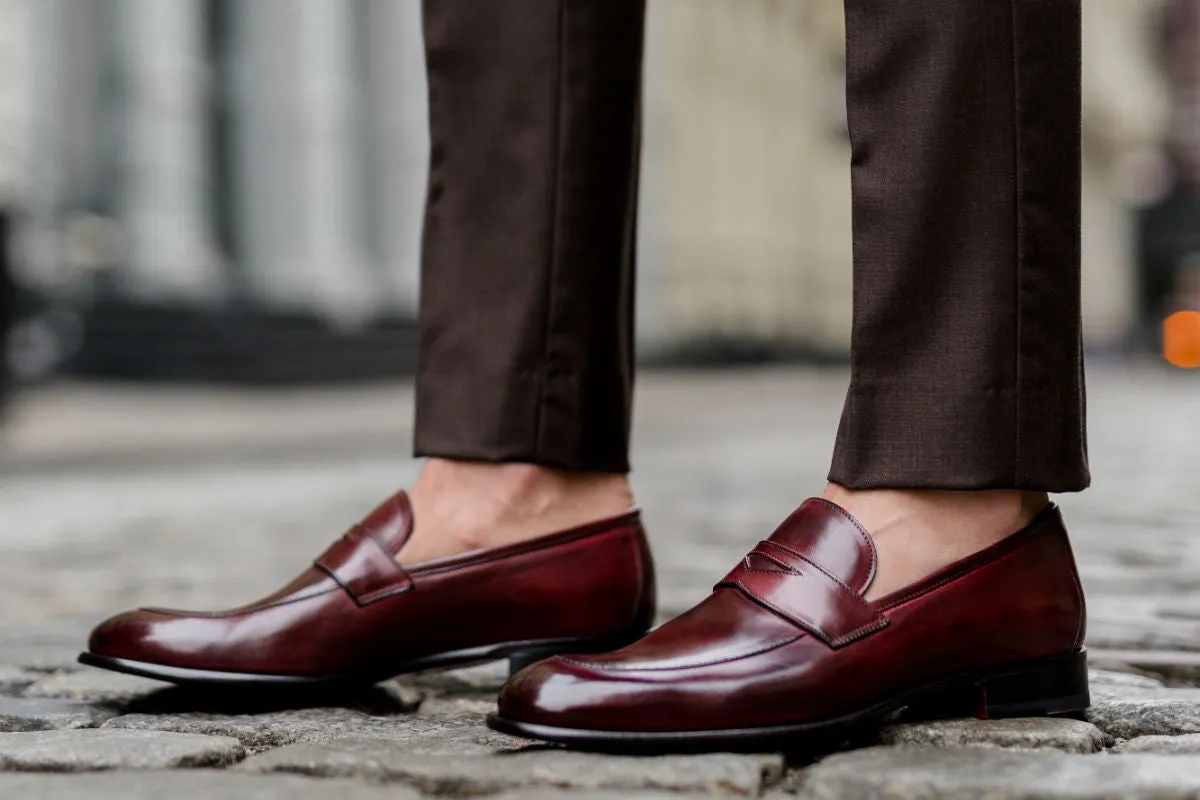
(526, 355)
(523, 392)
(939, 575)
(967, 371)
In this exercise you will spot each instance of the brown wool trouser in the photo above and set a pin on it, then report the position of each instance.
(966, 365)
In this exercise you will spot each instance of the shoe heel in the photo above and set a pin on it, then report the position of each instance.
(1055, 686)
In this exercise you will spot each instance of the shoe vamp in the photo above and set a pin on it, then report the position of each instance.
(724, 628)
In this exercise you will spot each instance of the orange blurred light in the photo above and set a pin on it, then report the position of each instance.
(1181, 339)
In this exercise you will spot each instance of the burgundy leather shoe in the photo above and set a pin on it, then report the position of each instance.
(357, 616)
(786, 647)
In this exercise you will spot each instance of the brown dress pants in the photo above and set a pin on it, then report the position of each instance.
(966, 366)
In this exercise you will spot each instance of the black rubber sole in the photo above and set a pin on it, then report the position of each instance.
(1055, 686)
(519, 655)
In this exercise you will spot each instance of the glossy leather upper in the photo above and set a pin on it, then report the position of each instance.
(787, 637)
(358, 611)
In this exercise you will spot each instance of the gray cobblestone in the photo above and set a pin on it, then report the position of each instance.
(205, 526)
(1068, 735)
(1101, 677)
(1126, 712)
(86, 751)
(1181, 609)
(902, 773)
(1172, 666)
(14, 679)
(722, 774)
(483, 679)
(19, 714)
(190, 785)
(259, 732)
(1152, 633)
(92, 686)
(624, 794)
(1187, 744)
(44, 642)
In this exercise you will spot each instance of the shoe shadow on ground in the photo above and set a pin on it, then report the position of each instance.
(378, 701)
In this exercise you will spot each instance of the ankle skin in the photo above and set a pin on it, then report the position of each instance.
(917, 532)
(460, 506)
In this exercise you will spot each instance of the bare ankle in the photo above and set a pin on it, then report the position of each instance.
(465, 505)
(918, 532)
(878, 508)
(517, 488)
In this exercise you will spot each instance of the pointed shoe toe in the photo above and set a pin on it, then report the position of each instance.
(562, 690)
(567, 700)
(124, 635)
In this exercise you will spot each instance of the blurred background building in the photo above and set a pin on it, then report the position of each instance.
(225, 190)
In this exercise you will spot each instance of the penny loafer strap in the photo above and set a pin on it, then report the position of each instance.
(805, 594)
(364, 567)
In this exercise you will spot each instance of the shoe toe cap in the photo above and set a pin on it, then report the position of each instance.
(141, 635)
(562, 693)
(117, 635)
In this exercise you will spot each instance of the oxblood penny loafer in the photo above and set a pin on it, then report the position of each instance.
(358, 617)
(786, 648)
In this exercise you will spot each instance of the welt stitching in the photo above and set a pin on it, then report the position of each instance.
(878, 623)
(611, 667)
(861, 532)
(725, 582)
(383, 594)
(756, 552)
(803, 623)
(399, 569)
(810, 626)
(396, 585)
(861, 631)
(857, 525)
(814, 564)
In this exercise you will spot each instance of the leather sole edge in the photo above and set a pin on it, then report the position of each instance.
(519, 654)
(997, 692)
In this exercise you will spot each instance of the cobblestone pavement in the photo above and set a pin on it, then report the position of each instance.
(112, 498)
